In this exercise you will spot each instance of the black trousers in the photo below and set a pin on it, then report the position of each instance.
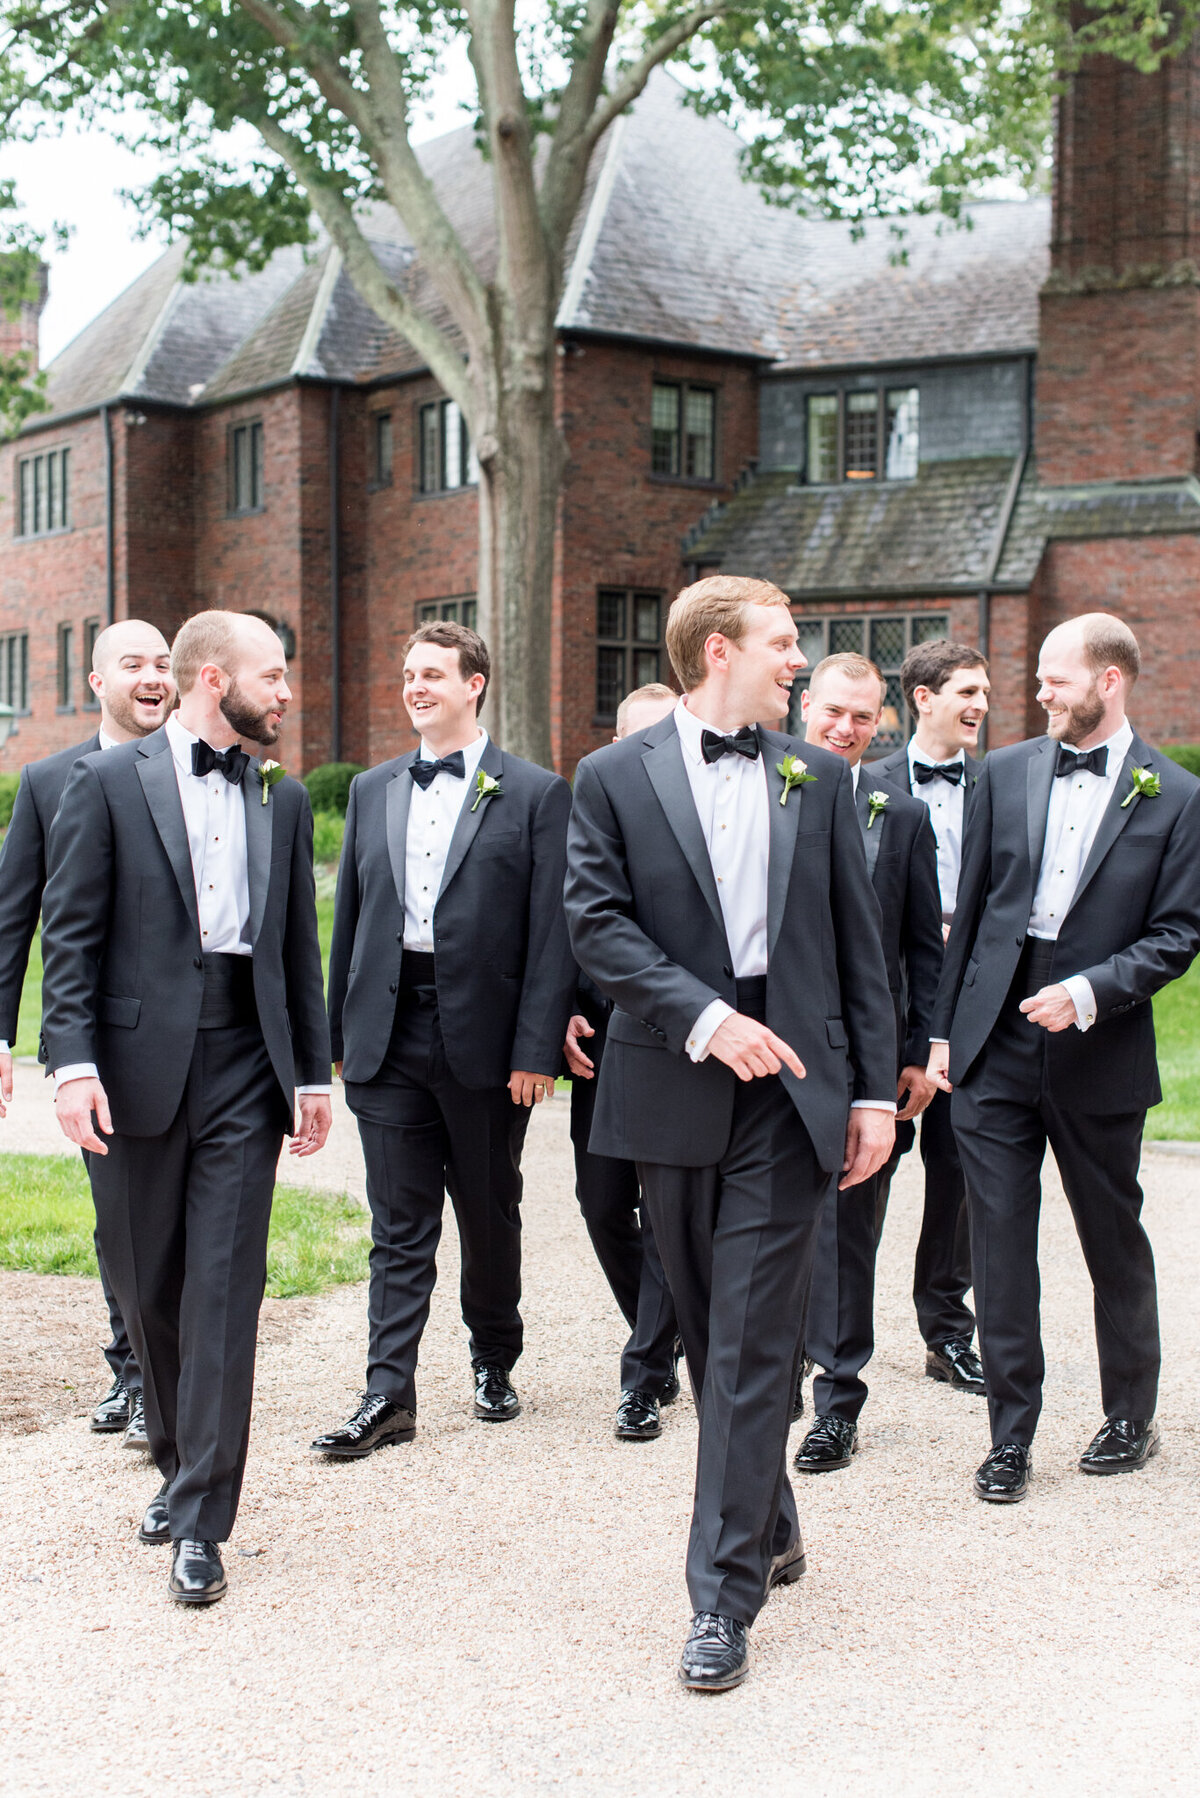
(622, 1235)
(737, 1243)
(942, 1269)
(840, 1328)
(119, 1353)
(423, 1135)
(182, 1220)
(1004, 1115)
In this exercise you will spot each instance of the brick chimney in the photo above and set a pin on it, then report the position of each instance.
(1118, 384)
(20, 333)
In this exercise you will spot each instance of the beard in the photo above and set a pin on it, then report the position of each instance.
(126, 716)
(1079, 720)
(249, 720)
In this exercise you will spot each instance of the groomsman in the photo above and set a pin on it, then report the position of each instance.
(946, 688)
(717, 892)
(607, 1188)
(131, 678)
(842, 709)
(183, 1011)
(450, 985)
(1079, 900)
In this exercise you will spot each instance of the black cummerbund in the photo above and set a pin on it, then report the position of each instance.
(228, 992)
(1033, 969)
(752, 997)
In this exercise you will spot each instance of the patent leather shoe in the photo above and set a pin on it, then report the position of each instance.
(716, 1654)
(378, 1420)
(829, 1444)
(956, 1363)
(806, 1366)
(197, 1573)
(787, 1567)
(135, 1430)
(670, 1386)
(495, 1399)
(112, 1413)
(1123, 1443)
(1003, 1478)
(637, 1417)
(155, 1527)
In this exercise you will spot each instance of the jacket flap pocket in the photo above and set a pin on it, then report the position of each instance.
(835, 1030)
(122, 1012)
(622, 1028)
(971, 970)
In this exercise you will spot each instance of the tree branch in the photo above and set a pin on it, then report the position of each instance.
(526, 276)
(636, 76)
(566, 168)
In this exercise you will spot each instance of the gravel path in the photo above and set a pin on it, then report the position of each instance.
(500, 1611)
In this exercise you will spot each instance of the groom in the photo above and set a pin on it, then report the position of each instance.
(717, 893)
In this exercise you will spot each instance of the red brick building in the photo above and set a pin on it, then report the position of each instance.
(994, 433)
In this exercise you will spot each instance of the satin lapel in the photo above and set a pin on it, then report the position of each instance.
(1039, 778)
(1116, 814)
(668, 776)
(784, 822)
(399, 793)
(259, 830)
(872, 833)
(470, 823)
(156, 771)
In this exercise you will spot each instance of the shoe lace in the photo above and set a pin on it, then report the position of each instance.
(710, 1625)
(829, 1429)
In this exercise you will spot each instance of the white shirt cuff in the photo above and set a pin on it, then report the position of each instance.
(939, 1042)
(78, 1070)
(874, 1105)
(314, 1089)
(704, 1028)
(1083, 999)
(4, 1048)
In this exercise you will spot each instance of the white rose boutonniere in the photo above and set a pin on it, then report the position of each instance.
(268, 774)
(1145, 786)
(487, 787)
(876, 802)
(795, 774)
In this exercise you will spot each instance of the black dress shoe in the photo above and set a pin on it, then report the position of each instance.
(670, 1386)
(112, 1413)
(1123, 1443)
(155, 1527)
(788, 1566)
(197, 1575)
(377, 1421)
(829, 1444)
(956, 1363)
(495, 1399)
(806, 1366)
(637, 1417)
(716, 1654)
(1004, 1476)
(135, 1430)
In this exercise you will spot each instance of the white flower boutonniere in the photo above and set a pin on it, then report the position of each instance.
(269, 773)
(1145, 786)
(876, 802)
(487, 787)
(795, 774)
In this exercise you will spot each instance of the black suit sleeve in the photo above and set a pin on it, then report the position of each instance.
(22, 877)
(973, 881)
(1170, 939)
(548, 986)
(302, 960)
(921, 939)
(75, 918)
(868, 1014)
(345, 924)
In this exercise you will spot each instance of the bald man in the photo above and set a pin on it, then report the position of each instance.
(1079, 898)
(131, 678)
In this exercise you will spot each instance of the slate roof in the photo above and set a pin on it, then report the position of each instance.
(1105, 509)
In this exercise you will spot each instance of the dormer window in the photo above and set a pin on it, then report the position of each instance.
(863, 434)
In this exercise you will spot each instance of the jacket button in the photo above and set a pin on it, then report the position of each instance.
(728, 973)
(399, 936)
(198, 962)
(1020, 942)
(392, 987)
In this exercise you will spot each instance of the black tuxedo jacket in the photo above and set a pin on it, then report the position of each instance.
(1133, 925)
(121, 934)
(646, 926)
(505, 978)
(902, 862)
(23, 870)
(896, 768)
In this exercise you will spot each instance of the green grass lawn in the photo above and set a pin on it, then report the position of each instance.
(317, 1240)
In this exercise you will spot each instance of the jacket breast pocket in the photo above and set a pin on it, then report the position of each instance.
(496, 842)
(124, 1013)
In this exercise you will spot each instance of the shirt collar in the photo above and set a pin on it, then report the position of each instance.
(854, 774)
(1117, 746)
(106, 742)
(691, 729)
(181, 739)
(919, 755)
(472, 754)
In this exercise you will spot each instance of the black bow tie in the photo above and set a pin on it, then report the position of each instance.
(927, 771)
(1092, 761)
(740, 742)
(425, 773)
(232, 763)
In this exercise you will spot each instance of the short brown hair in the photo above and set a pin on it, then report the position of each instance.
(207, 637)
(473, 657)
(854, 667)
(1108, 642)
(715, 604)
(931, 665)
(655, 689)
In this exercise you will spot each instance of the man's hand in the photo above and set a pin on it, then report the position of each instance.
(337, 1068)
(1053, 1008)
(316, 1117)
(914, 1082)
(939, 1066)
(751, 1050)
(74, 1104)
(580, 1065)
(5, 1084)
(870, 1138)
(530, 1089)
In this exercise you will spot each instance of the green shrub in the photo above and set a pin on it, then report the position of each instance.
(1186, 754)
(328, 831)
(329, 785)
(8, 796)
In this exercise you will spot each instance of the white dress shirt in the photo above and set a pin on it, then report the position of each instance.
(1077, 804)
(945, 803)
(433, 812)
